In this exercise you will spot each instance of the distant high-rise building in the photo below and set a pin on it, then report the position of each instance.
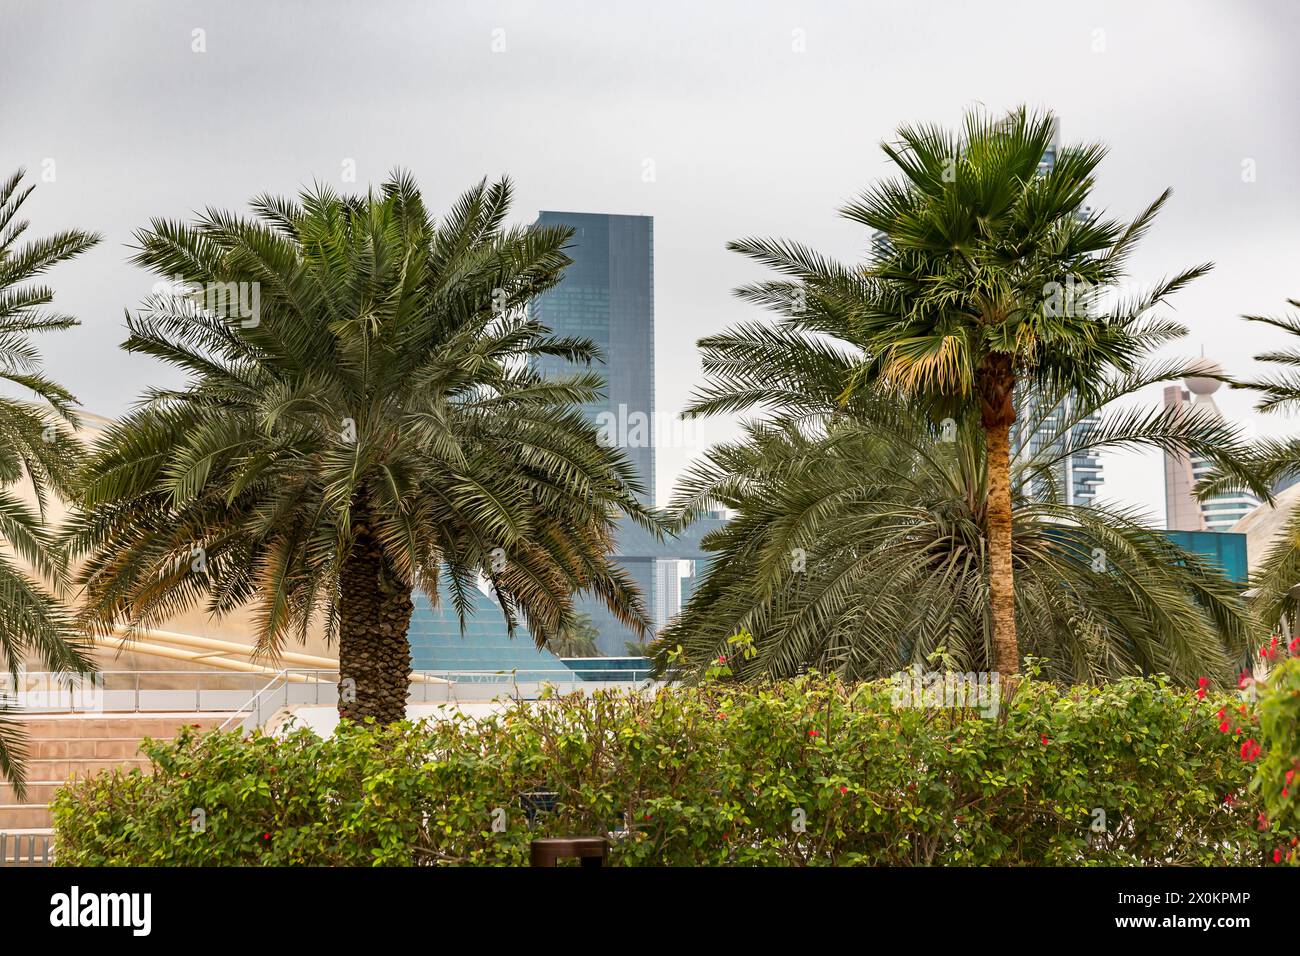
(1183, 470)
(1182, 510)
(668, 592)
(607, 296)
(1077, 476)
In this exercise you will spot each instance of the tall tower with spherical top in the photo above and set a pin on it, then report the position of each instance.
(1183, 512)
(1205, 383)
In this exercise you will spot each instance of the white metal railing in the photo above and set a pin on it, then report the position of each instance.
(125, 691)
(228, 692)
(317, 687)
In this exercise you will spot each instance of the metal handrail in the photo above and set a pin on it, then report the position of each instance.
(99, 680)
(32, 858)
(315, 686)
(247, 708)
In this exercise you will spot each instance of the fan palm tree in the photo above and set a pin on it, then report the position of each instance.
(859, 545)
(36, 445)
(361, 417)
(987, 275)
(859, 539)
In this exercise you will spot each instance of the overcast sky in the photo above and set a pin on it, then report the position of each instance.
(754, 118)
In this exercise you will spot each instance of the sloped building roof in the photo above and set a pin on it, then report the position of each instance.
(1263, 524)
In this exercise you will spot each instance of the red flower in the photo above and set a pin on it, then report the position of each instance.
(1224, 727)
(266, 836)
(1227, 798)
(1294, 646)
(1244, 680)
(844, 789)
(1044, 740)
(1277, 856)
(813, 733)
(1200, 693)
(1202, 682)
(1249, 749)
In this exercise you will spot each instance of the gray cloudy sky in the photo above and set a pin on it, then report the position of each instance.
(747, 135)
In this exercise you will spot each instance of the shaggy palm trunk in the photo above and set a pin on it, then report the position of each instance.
(1002, 581)
(374, 654)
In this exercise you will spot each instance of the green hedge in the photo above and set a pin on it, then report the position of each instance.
(1278, 780)
(711, 775)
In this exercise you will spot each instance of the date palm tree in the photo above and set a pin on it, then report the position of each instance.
(360, 418)
(37, 445)
(988, 271)
(858, 538)
(579, 642)
(860, 548)
(1276, 459)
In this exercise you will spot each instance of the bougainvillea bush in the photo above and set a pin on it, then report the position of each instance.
(808, 771)
(1278, 778)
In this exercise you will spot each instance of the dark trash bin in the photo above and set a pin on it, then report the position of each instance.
(589, 851)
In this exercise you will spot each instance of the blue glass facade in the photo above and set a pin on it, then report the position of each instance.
(1224, 548)
(607, 296)
(437, 643)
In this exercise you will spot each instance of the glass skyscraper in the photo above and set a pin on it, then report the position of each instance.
(1079, 475)
(607, 296)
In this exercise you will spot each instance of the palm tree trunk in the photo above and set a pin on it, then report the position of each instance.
(1002, 582)
(374, 654)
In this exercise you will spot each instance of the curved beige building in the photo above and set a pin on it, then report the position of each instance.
(189, 642)
(1263, 524)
